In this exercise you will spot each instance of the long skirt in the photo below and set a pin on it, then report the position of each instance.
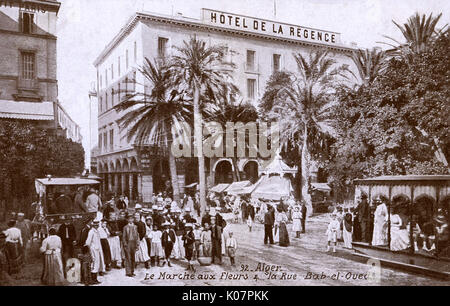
(276, 233)
(347, 238)
(98, 261)
(399, 239)
(296, 225)
(379, 234)
(284, 236)
(156, 249)
(106, 251)
(14, 256)
(142, 252)
(53, 274)
(114, 246)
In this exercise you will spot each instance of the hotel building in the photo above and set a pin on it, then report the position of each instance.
(259, 47)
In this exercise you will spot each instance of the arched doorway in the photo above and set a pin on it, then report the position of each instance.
(251, 171)
(223, 173)
(161, 176)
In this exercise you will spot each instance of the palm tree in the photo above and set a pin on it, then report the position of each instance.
(228, 111)
(419, 33)
(302, 107)
(205, 72)
(155, 115)
(369, 64)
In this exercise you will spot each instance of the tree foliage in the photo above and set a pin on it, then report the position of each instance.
(29, 152)
(399, 123)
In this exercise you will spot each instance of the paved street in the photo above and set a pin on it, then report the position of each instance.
(305, 257)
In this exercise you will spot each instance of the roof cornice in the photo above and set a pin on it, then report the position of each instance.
(198, 25)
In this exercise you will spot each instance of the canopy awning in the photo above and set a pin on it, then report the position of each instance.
(249, 189)
(278, 166)
(236, 187)
(191, 185)
(66, 181)
(219, 188)
(320, 187)
(273, 188)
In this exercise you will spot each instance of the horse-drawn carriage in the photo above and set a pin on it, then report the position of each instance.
(59, 202)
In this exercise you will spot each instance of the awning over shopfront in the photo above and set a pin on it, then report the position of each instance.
(321, 187)
(219, 188)
(26, 110)
(236, 187)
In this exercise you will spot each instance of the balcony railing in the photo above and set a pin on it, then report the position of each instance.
(27, 84)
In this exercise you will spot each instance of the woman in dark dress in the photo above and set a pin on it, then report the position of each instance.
(282, 219)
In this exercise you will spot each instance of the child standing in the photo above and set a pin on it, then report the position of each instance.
(197, 236)
(205, 240)
(189, 240)
(332, 231)
(231, 246)
(249, 223)
(156, 251)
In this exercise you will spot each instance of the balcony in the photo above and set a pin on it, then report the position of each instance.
(24, 84)
(27, 90)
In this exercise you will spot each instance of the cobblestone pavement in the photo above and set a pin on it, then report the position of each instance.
(304, 262)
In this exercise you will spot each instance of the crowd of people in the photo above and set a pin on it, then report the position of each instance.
(120, 237)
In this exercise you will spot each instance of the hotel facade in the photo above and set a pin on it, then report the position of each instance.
(256, 46)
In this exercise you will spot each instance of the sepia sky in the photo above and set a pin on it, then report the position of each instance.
(86, 26)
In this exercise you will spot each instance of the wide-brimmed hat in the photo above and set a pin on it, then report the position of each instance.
(188, 225)
(187, 209)
(212, 211)
(137, 206)
(165, 223)
(154, 207)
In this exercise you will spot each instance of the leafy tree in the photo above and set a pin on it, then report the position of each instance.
(155, 115)
(396, 125)
(29, 152)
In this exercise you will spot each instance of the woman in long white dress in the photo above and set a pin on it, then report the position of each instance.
(399, 234)
(380, 225)
(53, 268)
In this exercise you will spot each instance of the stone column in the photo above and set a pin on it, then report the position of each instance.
(116, 183)
(147, 187)
(124, 183)
(131, 186)
(110, 182)
(139, 187)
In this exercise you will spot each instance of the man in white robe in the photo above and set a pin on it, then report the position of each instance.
(95, 246)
